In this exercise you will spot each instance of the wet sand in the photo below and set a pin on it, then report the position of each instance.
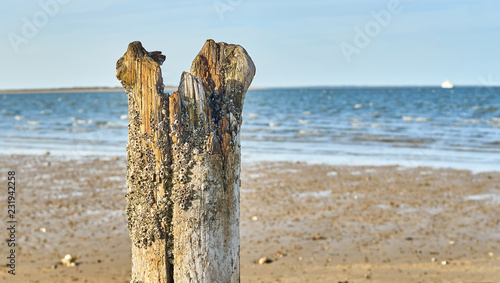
(315, 223)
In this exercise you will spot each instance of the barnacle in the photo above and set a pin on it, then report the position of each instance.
(147, 217)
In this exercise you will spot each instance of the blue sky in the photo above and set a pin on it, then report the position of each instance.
(66, 43)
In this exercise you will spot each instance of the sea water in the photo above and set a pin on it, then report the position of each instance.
(408, 126)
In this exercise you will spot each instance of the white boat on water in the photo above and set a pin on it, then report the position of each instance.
(447, 84)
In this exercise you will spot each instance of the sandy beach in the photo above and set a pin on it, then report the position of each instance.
(314, 223)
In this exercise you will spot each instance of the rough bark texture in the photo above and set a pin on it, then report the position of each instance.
(184, 164)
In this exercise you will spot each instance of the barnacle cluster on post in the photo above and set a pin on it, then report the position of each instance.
(182, 190)
(149, 213)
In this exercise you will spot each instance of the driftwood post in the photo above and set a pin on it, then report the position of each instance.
(183, 164)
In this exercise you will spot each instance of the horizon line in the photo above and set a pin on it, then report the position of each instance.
(172, 87)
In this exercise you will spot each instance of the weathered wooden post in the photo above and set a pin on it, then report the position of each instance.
(149, 211)
(184, 163)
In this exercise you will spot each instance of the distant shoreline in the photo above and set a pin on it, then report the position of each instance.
(71, 90)
(171, 88)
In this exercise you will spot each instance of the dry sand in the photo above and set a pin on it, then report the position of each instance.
(316, 223)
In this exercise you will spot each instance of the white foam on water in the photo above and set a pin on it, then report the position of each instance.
(417, 119)
(113, 124)
(470, 121)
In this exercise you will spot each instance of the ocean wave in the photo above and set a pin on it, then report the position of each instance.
(407, 140)
(470, 121)
(79, 130)
(117, 125)
(417, 119)
(359, 125)
(308, 132)
(486, 108)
